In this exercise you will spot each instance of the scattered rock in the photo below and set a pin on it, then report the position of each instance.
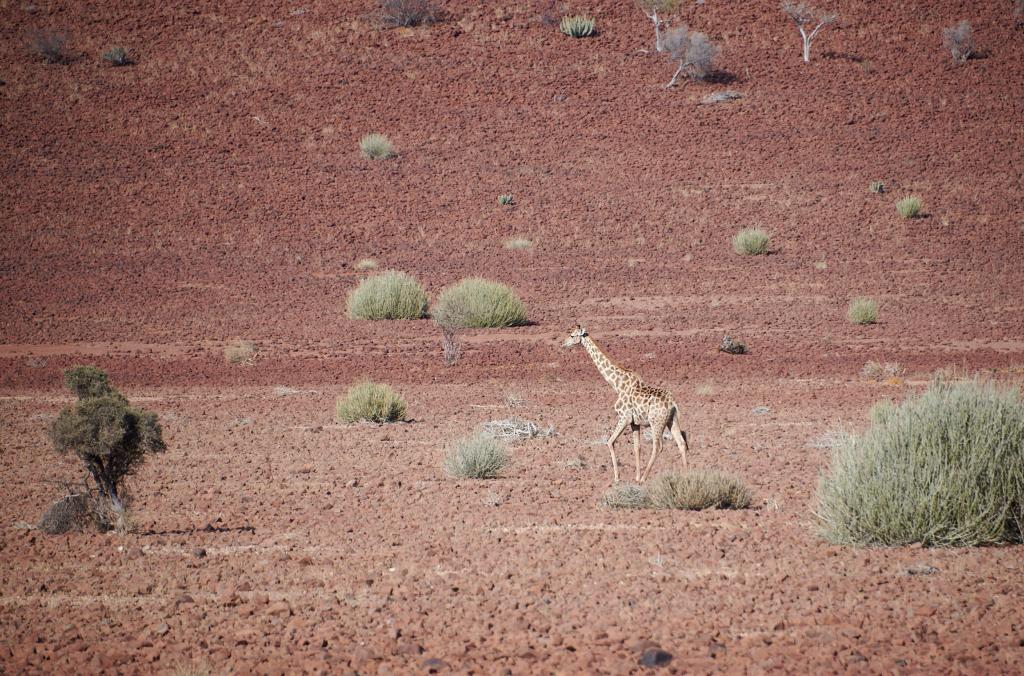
(721, 97)
(161, 629)
(655, 657)
(433, 665)
(922, 570)
(199, 552)
(760, 410)
(279, 608)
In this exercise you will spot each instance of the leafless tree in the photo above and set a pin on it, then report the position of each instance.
(651, 8)
(692, 51)
(805, 16)
(959, 41)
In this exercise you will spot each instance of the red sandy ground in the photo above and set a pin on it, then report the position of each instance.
(215, 191)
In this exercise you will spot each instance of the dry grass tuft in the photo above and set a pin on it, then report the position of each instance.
(240, 352)
(478, 457)
(699, 489)
(751, 242)
(373, 402)
(516, 429)
(862, 310)
(626, 496)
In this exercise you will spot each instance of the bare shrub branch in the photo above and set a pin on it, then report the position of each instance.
(805, 16)
(651, 9)
(959, 40)
(692, 51)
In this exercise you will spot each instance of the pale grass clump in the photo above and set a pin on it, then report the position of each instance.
(699, 489)
(879, 371)
(373, 402)
(751, 242)
(476, 303)
(959, 40)
(478, 457)
(240, 352)
(518, 243)
(626, 496)
(862, 311)
(364, 264)
(376, 147)
(944, 468)
(389, 295)
(909, 206)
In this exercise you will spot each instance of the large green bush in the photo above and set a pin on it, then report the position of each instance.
(477, 303)
(944, 468)
(389, 295)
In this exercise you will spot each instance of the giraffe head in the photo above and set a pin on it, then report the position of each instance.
(575, 336)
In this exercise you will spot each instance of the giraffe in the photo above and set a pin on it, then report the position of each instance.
(638, 405)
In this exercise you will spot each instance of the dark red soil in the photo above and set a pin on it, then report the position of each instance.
(215, 191)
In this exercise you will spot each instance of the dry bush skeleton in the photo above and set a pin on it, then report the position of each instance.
(805, 16)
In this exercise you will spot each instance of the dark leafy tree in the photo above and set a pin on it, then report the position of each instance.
(110, 436)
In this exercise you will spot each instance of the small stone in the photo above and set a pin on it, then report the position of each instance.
(434, 665)
(655, 657)
(161, 629)
(199, 553)
(354, 483)
(279, 608)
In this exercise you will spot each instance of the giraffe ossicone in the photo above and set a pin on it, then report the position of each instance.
(637, 405)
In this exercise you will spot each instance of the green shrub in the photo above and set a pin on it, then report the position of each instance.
(862, 311)
(111, 438)
(579, 26)
(504, 200)
(376, 147)
(374, 402)
(476, 303)
(750, 242)
(909, 207)
(699, 489)
(389, 295)
(478, 457)
(877, 187)
(626, 496)
(944, 468)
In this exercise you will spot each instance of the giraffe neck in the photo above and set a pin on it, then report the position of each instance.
(609, 371)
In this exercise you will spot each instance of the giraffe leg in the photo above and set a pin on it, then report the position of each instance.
(680, 436)
(636, 449)
(656, 431)
(611, 445)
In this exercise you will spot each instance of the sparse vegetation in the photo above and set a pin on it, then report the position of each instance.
(451, 349)
(959, 40)
(805, 16)
(751, 242)
(909, 207)
(240, 352)
(111, 438)
(626, 496)
(699, 489)
(656, 10)
(732, 346)
(407, 13)
(376, 147)
(518, 243)
(879, 371)
(364, 264)
(50, 46)
(118, 56)
(862, 311)
(478, 457)
(944, 468)
(1018, 13)
(504, 200)
(721, 97)
(692, 51)
(578, 26)
(516, 429)
(479, 303)
(373, 402)
(389, 295)
(877, 187)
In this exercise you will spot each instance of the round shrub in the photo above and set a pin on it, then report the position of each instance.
(626, 496)
(909, 207)
(477, 303)
(389, 295)
(944, 468)
(862, 311)
(750, 242)
(478, 457)
(376, 147)
(375, 402)
(699, 489)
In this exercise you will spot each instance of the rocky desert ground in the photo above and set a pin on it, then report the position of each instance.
(214, 191)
